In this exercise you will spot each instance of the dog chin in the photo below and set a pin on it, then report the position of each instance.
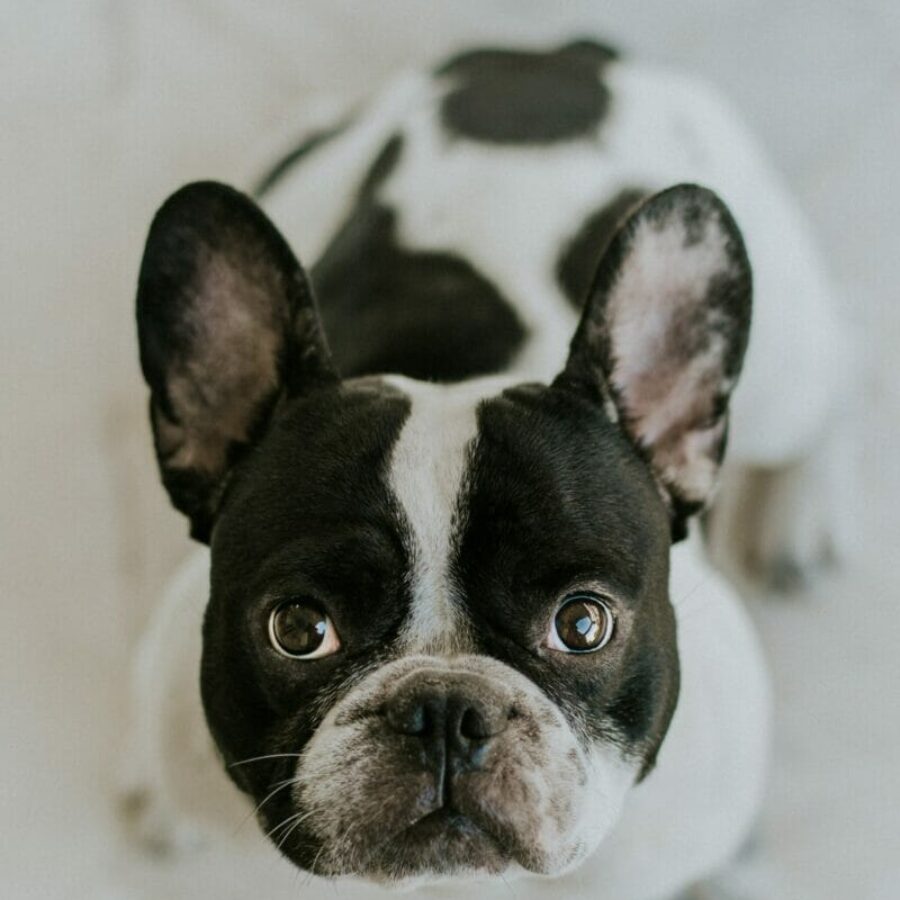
(441, 845)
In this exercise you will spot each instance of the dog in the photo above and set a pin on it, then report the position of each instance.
(458, 622)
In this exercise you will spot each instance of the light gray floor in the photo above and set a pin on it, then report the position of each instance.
(106, 107)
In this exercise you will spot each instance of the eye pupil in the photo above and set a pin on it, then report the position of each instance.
(583, 623)
(299, 628)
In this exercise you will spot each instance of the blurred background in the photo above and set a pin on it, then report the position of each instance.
(108, 105)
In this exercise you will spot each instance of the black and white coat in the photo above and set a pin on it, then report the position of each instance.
(452, 230)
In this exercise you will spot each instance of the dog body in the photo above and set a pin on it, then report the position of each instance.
(682, 824)
(392, 670)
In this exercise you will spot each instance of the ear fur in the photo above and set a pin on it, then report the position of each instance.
(663, 336)
(227, 325)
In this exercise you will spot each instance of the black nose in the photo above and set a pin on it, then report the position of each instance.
(455, 715)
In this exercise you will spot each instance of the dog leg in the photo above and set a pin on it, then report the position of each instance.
(148, 820)
(174, 791)
(152, 826)
(782, 527)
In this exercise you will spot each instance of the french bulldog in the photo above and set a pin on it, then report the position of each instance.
(457, 622)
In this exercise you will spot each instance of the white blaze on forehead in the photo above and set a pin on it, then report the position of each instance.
(427, 475)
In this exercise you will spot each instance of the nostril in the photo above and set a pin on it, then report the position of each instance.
(482, 722)
(408, 718)
(458, 711)
(473, 726)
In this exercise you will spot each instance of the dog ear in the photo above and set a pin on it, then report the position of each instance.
(227, 326)
(663, 335)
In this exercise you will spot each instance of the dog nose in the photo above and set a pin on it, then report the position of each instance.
(459, 713)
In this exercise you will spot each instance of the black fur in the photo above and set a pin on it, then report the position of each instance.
(306, 513)
(297, 502)
(425, 314)
(385, 163)
(227, 324)
(723, 310)
(558, 497)
(517, 96)
(581, 255)
(311, 143)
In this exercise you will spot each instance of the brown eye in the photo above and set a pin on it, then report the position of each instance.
(583, 624)
(300, 629)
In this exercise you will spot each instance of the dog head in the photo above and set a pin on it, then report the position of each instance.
(439, 639)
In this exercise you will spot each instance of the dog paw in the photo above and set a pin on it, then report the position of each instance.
(776, 528)
(789, 572)
(792, 546)
(151, 827)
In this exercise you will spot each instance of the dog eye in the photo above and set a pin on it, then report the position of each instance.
(583, 624)
(299, 629)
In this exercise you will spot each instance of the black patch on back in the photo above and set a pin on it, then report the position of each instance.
(558, 496)
(425, 314)
(591, 52)
(312, 142)
(581, 255)
(519, 96)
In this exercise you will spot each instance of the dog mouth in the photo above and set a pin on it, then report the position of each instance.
(439, 771)
(444, 823)
(445, 841)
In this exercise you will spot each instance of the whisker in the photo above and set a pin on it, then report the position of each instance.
(244, 762)
(286, 821)
(312, 869)
(298, 821)
(280, 786)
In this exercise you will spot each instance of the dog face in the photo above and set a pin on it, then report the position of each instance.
(439, 639)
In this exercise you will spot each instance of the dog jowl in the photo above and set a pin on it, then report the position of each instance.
(439, 638)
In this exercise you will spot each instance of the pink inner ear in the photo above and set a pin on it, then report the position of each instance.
(669, 348)
(689, 465)
(236, 346)
(227, 325)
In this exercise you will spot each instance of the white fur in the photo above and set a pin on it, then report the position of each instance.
(698, 804)
(172, 779)
(685, 820)
(509, 210)
(427, 472)
(327, 782)
(313, 197)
